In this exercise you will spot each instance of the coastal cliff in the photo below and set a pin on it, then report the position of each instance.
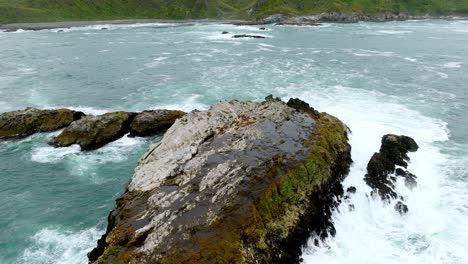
(244, 182)
(14, 11)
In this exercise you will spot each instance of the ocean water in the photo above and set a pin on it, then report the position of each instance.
(399, 77)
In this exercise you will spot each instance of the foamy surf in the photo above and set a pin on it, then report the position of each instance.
(86, 164)
(373, 225)
(55, 245)
(453, 64)
(115, 26)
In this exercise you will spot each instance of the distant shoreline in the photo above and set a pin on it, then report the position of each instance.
(277, 19)
(69, 24)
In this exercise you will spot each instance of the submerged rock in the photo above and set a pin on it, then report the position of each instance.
(382, 165)
(401, 208)
(93, 132)
(149, 123)
(243, 182)
(26, 122)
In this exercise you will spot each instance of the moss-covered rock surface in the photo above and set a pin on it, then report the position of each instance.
(26, 122)
(243, 182)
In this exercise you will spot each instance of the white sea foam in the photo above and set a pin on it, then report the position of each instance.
(452, 64)
(432, 231)
(371, 53)
(115, 26)
(49, 154)
(86, 164)
(187, 105)
(85, 109)
(394, 32)
(156, 62)
(410, 59)
(54, 245)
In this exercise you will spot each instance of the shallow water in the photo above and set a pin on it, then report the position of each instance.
(397, 77)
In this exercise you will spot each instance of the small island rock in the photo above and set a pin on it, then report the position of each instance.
(382, 165)
(22, 123)
(93, 132)
(244, 182)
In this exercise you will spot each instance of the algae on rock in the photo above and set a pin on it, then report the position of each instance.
(243, 182)
(22, 123)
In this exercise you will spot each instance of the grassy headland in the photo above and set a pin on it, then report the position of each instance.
(16, 11)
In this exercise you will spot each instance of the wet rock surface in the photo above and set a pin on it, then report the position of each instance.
(401, 208)
(382, 168)
(150, 123)
(22, 123)
(90, 132)
(93, 132)
(243, 182)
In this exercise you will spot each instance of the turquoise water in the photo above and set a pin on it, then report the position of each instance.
(397, 77)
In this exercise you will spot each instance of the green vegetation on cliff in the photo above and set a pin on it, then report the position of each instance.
(65, 10)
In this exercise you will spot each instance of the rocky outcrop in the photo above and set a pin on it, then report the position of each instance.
(26, 122)
(243, 182)
(382, 168)
(248, 36)
(149, 123)
(92, 132)
(336, 17)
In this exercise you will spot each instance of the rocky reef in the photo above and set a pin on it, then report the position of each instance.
(382, 170)
(244, 182)
(93, 132)
(22, 123)
(90, 132)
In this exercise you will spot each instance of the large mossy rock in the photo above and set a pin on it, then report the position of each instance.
(243, 182)
(382, 167)
(149, 123)
(26, 122)
(93, 132)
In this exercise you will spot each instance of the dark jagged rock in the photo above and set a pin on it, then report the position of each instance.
(248, 36)
(382, 165)
(298, 24)
(225, 32)
(243, 182)
(410, 179)
(149, 123)
(300, 105)
(270, 98)
(93, 132)
(351, 189)
(401, 208)
(22, 123)
(262, 28)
